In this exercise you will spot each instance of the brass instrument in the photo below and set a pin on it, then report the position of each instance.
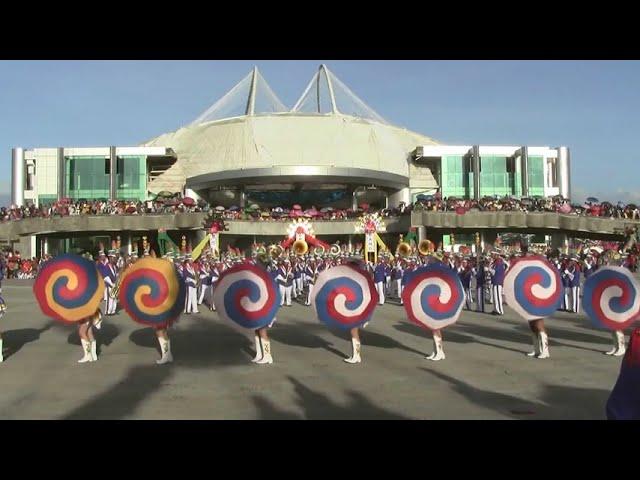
(404, 249)
(113, 293)
(425, 247)
(275, 250)
(319, 250)
(335, 249)
(300, 247)
(261, 251)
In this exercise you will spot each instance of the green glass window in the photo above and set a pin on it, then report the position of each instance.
(535, 173)
(87, 177)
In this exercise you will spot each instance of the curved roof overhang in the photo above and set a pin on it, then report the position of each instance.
(294, 174)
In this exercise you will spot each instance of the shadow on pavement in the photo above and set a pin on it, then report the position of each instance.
(14, 340)
(296, 336)
(205, 345)
(558, 402)
(317, 406)
(122, 399)
(105, 336)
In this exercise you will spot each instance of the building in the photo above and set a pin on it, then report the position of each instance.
(329, 149)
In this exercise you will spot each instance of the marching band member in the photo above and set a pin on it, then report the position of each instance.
(465, 274)
(497, 270)
(573, 274)
(214, 275)
(566, 285)
(110, 279)
(190, 277)
(310, 272)
(379, 274)
(387, 278)
(297, 278)
(396, 275)
(479, 272)
(285, 281)
(205, 278)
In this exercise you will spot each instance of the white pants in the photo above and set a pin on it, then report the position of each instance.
(308, 302)
(387, 285)
(567, 295)
(294, 288)
(575, 297)
(203, 290)
(497, 298)
(300, 286)
(380, 289)
(399, 288)
(112, 303)
(191, 301)
(285, 294)
(480, 299)
(468, 298)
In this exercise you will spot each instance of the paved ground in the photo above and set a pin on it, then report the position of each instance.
(485, 376)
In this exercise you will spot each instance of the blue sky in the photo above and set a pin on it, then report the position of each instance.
(591, 107)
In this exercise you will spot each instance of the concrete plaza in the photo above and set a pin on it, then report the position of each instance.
(486, 374)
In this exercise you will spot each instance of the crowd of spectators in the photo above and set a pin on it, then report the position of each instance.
(253, 212)
(14, 266)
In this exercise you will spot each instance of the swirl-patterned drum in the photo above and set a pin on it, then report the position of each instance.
(152, 293)
(344, 297)
(533, 287)
(246, 294)
(69, 288)
(611, 298)
(433, 296)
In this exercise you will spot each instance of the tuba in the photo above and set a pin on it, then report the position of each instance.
(404, 249)
(335, 249)
(319, 250)
(425, 247)
(300, 247)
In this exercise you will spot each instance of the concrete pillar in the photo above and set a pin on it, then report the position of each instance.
(243, 197)
(354, 199)
(17, 176)
(45, 245)
(403, 195)
(62, 177)
(113, 166)
(524, 170)
(422, 233)
(564, 171)
(560, 240)
(475, 162)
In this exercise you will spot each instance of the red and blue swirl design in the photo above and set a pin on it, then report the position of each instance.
(344, 297)
(611, 299)
(533, 287)
(69, 288)
(247, 295)
(151, 292)
(433, 296)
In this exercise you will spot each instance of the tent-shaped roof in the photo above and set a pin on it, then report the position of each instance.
(326, 94)
(251, 95)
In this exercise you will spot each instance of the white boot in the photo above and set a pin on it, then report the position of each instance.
(258, 349)
(266, 358)
(165, 348)
(615, 343)
(86, 348)
(620, 344)
(1, 354)
(94, 353)
(544, 345)
(536, 345)
(355, 357)
(438, 347)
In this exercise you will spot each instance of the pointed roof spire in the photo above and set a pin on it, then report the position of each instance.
(326, 94)
(251, 95)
